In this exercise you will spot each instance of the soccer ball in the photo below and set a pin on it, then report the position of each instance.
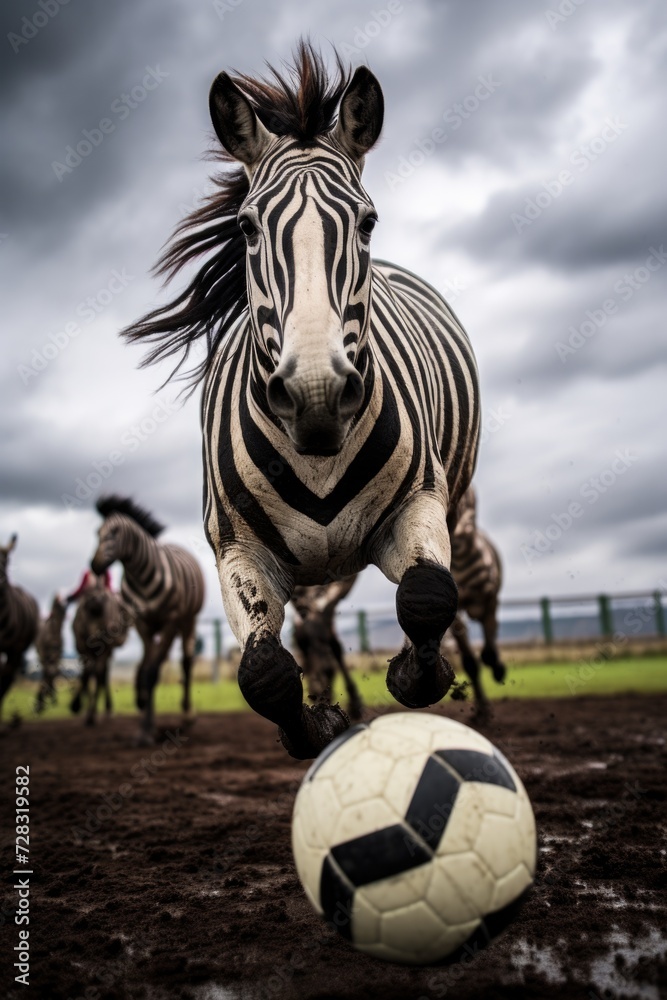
(414, 837)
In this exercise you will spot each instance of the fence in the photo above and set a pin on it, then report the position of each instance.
(548, 621)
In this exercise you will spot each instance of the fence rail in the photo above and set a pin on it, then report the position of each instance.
(546, 620)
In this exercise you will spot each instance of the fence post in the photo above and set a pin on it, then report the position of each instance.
(659, 613)
(606, 626)
(217, 651)
(546, 621)
(362, 626)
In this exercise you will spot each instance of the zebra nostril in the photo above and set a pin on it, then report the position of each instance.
(281, 401)
(352, 395)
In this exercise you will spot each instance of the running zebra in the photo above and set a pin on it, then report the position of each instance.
(340, 405)
(100, 625)
(477, 569)
(162, 586)
(320, 648)
(19, 621)
(49, 646)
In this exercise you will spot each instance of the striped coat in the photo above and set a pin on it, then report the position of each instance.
(19, 621)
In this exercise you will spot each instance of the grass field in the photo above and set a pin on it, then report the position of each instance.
(553, 680)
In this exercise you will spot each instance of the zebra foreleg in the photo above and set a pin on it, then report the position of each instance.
(188, 640)
(470, 665)
(490, 651)
(148, 676)
(255, 590)
(416, 554)
(354, 702)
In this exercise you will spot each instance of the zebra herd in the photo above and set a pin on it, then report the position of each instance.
(162, 591)
(340, 411)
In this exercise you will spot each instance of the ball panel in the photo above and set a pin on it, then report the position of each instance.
(308, 862)
(380, 855)
(336, 895)
(465, 822)
(510, 887)
(403, 781)
(432, 802)
(475, 765)
(359, 820)
(499, 846)
(402, 890)
(398, 738)
(365, 780)
(365, 920)
(411, 929)
(461, 889)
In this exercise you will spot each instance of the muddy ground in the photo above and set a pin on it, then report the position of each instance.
(171, 876)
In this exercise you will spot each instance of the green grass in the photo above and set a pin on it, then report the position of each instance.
(644, 675)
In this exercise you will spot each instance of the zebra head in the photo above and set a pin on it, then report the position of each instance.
(307, 222)
(112, 543)
(4, 558)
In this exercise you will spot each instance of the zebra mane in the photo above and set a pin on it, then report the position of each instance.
(124, 505)
(302, 102)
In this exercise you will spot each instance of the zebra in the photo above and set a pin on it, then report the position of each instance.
(320, 647)
(19, 622)
(100, 625)
(49, 646)
(163, 587)
(477, 570)
(340, 404)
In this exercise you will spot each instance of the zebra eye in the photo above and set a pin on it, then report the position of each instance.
(368, 225)
(247, 227)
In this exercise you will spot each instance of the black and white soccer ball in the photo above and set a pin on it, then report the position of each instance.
(414, 837)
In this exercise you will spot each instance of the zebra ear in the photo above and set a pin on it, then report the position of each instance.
(236, 125)
(360, 115)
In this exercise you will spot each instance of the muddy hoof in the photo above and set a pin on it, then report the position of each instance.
(316, 728)
(482, 715)
(415, 685)
(490, 657)
(75, 705)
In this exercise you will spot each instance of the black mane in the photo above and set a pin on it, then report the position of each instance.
(124, 505)
(300, 102)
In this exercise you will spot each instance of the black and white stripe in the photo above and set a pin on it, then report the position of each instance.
(19, 621)
(477, 569)
(340, 409)
(162, 586)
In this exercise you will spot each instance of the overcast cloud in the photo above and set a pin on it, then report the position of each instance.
(521, 171)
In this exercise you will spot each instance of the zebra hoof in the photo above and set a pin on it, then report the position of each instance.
(316, 728)
(75, 705)
(418, 684)
(143, 739)
(490, 657)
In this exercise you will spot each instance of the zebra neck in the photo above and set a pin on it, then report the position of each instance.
(144, 569)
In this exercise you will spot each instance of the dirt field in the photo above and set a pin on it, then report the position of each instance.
(169, 873)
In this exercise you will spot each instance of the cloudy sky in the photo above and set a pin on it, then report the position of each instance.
(521, 171)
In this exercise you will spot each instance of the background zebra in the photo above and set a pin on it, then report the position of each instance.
(477, 569)
(317, 641)
(19, 621)
(163, 587)
(100, 625)
(340, 407)
(49, 646)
